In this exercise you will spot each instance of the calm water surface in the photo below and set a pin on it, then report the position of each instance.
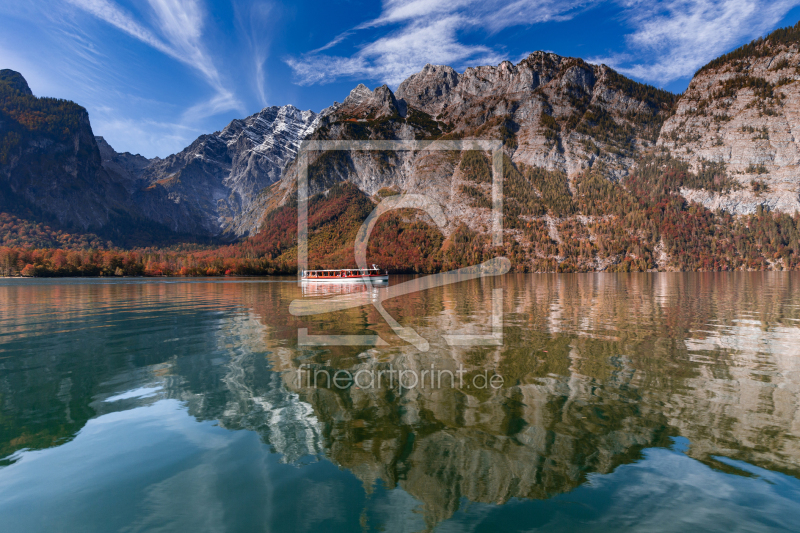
(652, 402)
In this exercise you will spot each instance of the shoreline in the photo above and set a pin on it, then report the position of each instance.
(749, 271)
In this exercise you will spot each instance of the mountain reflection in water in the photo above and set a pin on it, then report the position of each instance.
(658, 401)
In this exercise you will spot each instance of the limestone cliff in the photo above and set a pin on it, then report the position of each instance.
(743, 109)
(551, 112)
(217, 177)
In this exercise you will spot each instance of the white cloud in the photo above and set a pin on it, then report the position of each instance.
(671, 40)
(395, 56)
(254, 24)
(222, 101)
(178, 26)
(336, 40)
(502, 15)
(181, 22)
(115, 16)
(493, 15)
(414, 10)
(428, 32)
(143, 136)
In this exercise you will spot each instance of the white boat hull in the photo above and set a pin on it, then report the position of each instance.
(355, 279)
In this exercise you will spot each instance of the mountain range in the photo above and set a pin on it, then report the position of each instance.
(587, 152)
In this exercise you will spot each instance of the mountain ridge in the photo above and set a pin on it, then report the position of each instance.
(592, 160)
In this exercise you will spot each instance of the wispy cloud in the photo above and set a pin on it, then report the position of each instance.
(336, 40)
(254, 24)
(181, 23)
(177, 32)
(394, 57)
(153, 137)
(671, 40)
(427, 31)
(115, 16)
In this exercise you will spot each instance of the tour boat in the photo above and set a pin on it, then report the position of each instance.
(346, 275)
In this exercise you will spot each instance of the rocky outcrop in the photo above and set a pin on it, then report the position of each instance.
(217, 177)
(743, 110)
(49, 161)
(126, 164)
(429, 90)
(552, 112)
(362, 104)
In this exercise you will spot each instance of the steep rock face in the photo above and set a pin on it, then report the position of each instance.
(429, 89)
(554, 112)
(743, 110)
(49, 160)
(362, 104)
(125, 164)
(557, 113)
(564, 113)
(147, 201)
(217, 177)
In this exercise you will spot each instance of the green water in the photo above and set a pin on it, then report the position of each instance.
(650, 402)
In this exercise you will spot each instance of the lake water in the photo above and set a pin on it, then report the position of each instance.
(643, 402)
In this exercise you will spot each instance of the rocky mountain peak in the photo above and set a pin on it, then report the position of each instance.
(219, 175)
(362, 103)
(358, 95)
(15, 80)
(430, 88)
(272, 124)
(106, 151)
(436, 87)
(546, 64)
(125, 164)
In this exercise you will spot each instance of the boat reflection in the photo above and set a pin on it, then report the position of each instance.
(311, 289)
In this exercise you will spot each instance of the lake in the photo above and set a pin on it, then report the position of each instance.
(641, 402)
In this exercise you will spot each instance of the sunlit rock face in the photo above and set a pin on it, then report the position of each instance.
(552, 112)
(218, 176)
(743, 111)
(547, 109)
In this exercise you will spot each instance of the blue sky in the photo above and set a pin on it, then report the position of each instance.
(155, 74)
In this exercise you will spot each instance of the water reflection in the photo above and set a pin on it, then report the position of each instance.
(311, 289)
(600, 371)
